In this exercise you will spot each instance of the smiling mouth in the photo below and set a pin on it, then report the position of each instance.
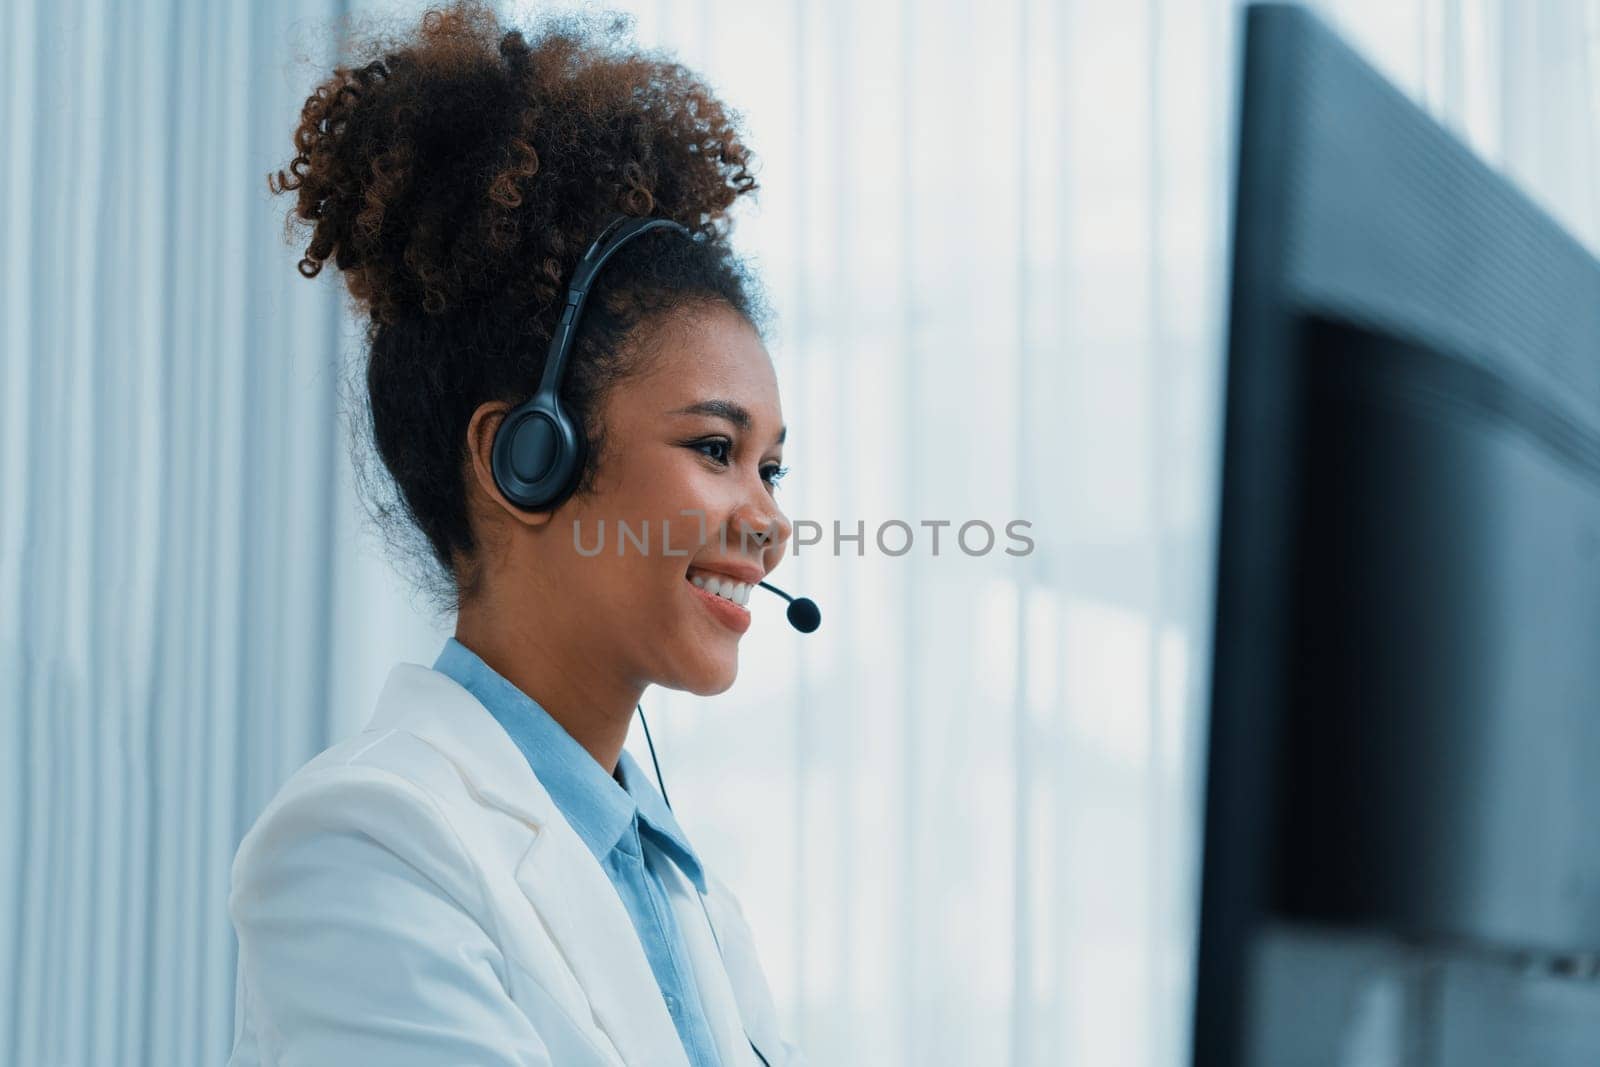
(721, 585)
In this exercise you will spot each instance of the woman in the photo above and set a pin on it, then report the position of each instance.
(483, 876)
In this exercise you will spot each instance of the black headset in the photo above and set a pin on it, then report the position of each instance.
(539, 448)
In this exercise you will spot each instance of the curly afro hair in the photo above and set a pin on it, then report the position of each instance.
(455, 174)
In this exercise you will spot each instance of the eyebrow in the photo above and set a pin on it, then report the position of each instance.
(728, 410)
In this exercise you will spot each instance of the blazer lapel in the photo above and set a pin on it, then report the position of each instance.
(587, 921)
(718, 996)
(558, 874)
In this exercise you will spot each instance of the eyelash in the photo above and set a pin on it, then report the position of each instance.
(771, 475)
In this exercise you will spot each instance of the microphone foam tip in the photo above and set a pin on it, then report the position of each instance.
(803, 615)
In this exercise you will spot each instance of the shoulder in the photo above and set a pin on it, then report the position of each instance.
(364, 928)
(387, 788)
(378, 754)
(389, 764)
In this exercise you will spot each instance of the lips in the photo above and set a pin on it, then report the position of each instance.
(738, 570)
(734, 616)
(724, 586)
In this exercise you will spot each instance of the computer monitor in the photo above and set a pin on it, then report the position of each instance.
(1402, 827)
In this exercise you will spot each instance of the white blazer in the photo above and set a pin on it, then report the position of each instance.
(413, 896)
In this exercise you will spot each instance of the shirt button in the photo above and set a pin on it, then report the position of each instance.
(672, 1004)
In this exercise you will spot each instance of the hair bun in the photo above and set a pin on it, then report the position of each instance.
(466, 162)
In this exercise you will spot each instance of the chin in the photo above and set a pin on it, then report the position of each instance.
(708, 678)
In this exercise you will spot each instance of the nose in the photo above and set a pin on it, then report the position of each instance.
(761, 526)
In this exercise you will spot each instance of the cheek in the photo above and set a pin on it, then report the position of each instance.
(688, 509)
(660, 489)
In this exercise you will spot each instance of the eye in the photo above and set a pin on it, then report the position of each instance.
(714, 449)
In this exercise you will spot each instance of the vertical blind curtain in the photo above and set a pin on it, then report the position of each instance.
(963, 817)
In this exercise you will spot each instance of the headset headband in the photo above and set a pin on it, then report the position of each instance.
(539, 449)
(622, 230)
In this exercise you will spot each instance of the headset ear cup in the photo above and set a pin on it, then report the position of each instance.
(506, 479)
(536, 454)
(568, 461)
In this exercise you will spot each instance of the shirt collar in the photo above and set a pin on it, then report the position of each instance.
(600, 808)
(658, 819)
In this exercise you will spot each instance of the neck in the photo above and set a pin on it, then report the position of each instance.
(568, 677)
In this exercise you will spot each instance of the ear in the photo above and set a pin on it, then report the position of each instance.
(480, 450)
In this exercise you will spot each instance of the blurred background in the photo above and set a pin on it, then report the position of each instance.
(962, 817)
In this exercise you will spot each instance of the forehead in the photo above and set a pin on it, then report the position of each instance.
(714, 353)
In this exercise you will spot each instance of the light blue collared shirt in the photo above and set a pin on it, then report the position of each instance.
(623, 820)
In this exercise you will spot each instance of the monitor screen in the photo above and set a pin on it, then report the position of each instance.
(1402, 831)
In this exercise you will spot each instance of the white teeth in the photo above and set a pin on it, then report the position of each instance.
(726, 588)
